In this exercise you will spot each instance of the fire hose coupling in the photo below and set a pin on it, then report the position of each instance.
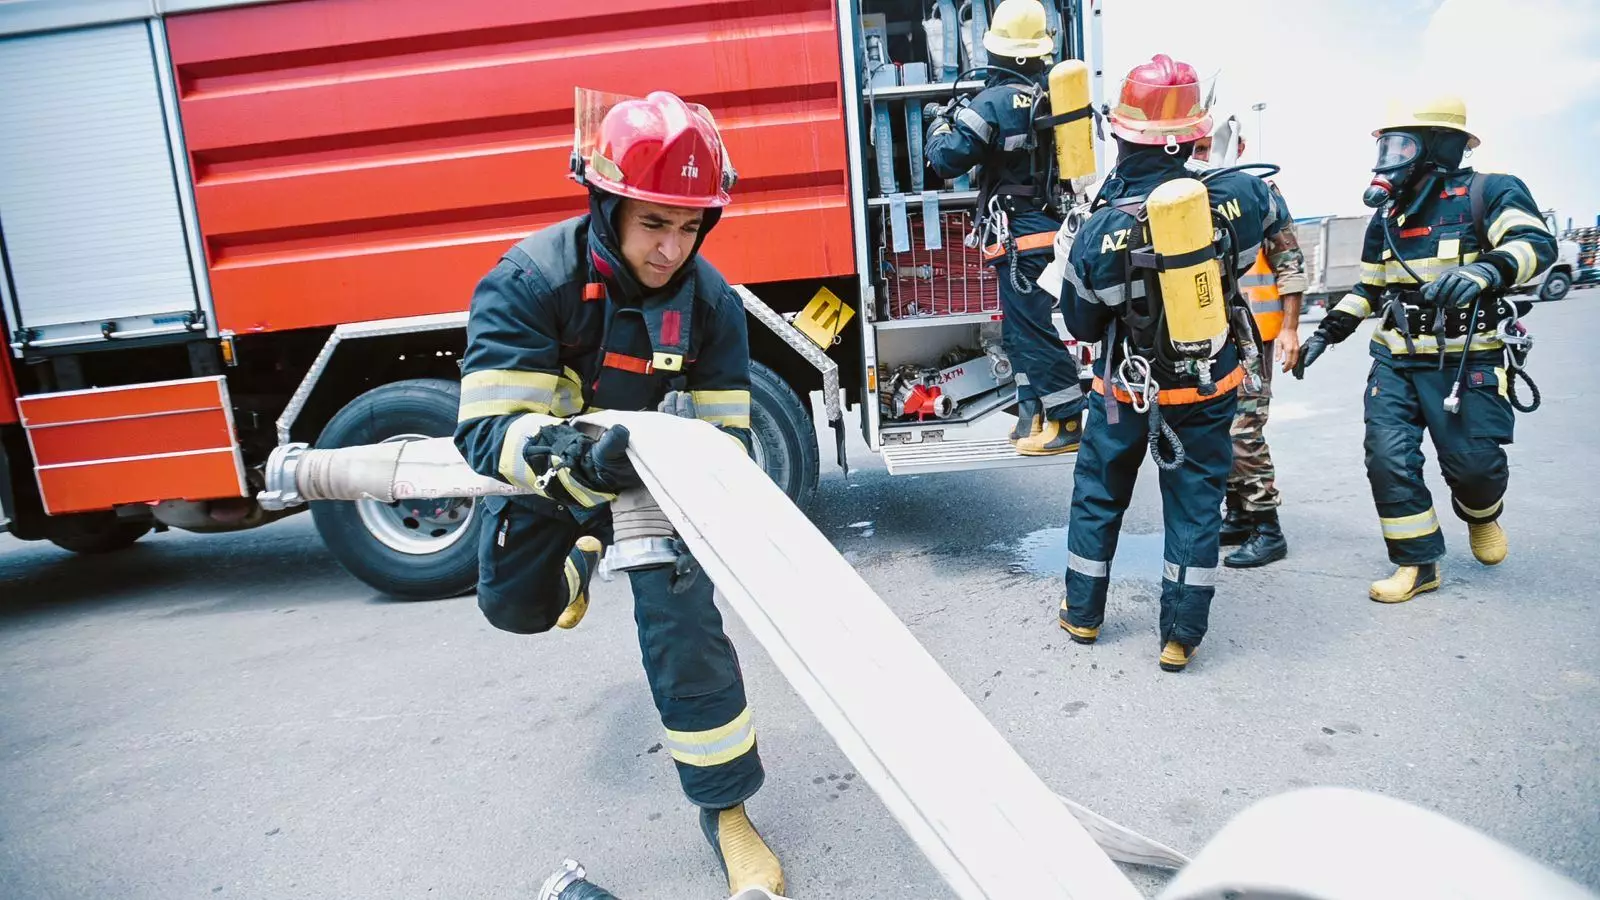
(283, 490)
(642, 535)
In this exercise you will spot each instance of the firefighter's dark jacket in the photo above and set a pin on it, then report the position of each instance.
(543, 343)
(990, 131)
(1096, 285)
(1436, 233)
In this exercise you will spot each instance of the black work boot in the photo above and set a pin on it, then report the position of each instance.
(1266, 544)
(1237, 526)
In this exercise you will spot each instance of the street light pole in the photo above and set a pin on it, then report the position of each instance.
(1260, 145)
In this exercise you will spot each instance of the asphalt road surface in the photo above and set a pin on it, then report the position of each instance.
(234, 716)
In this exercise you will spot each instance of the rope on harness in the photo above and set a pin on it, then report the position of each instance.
(1519, 343)
(1512, 375)
(1159, 431)
(1145, 396)
(998, 224)
(1018, 283)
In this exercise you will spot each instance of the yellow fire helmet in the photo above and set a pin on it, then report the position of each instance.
(1443, 111)
(1018, 31)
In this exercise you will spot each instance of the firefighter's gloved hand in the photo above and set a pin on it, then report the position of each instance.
(607, 461)
(1462, 285)
(678, 403)
(1309, 351)
(577, 468)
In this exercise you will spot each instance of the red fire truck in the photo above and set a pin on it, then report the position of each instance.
(229, 225)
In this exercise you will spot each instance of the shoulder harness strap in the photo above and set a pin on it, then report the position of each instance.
(1476, 186)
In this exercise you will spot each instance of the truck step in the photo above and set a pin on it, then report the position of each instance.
(958, 456)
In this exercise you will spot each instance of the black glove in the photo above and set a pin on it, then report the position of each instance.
(1314, 347)
(599, 464)
(1463, 285)
(607, 462)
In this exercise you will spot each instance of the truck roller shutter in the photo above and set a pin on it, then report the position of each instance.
(89, 199)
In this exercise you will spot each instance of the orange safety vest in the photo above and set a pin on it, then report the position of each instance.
(1260, 287)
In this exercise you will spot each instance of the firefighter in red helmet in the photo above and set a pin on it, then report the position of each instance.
(1153, 388)
(616, 310)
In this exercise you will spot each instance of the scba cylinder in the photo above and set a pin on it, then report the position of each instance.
(1196, 309)
(1069, 90)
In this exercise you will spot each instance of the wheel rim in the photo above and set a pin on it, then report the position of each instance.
(421, 526)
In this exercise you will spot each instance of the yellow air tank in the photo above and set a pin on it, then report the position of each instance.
(1069, 90)
(1197, 311)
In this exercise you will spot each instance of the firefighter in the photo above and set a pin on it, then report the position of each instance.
(1441, 250)
(1273, 288)
(1149, 391)
(616, 310)
(997, 131)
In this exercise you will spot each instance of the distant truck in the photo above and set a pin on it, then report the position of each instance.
(1332, 245)
(1558, 280)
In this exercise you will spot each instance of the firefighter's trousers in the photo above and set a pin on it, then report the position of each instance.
(1402, 402)
(1043, 368)
(1191, 508)
(690, 663)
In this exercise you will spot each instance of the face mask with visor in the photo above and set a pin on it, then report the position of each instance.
(1398, 153)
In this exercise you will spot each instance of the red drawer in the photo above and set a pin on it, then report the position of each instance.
(102, 447)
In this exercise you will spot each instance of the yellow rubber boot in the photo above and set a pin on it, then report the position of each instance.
(1078, 633)
(580, 568)
(1056, 437)
(745, 857)
(1175, 656)
(1488, 543)
(1030, 420)
(1405, 583)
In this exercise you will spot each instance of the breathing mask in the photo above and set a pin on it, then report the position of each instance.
(1400, 154)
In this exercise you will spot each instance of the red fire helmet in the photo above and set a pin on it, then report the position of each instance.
(1163, 101)
(658, 149)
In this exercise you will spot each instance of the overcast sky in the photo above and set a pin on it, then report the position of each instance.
(1528, 69)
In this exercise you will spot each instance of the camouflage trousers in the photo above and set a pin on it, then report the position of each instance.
(1252, 483)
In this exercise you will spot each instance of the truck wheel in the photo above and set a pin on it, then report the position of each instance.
(94, 532)
(1555, 286)
(415, 549)
(785, 441)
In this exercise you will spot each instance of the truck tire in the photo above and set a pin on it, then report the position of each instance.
(93, 533)
(1555, 286)
(416, 550)
(785, 440)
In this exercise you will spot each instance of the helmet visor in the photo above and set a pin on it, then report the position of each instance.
(1396, 150)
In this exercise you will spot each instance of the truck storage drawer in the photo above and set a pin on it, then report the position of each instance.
(170, 440)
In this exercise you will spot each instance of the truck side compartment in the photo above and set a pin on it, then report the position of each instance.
(355, 161)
